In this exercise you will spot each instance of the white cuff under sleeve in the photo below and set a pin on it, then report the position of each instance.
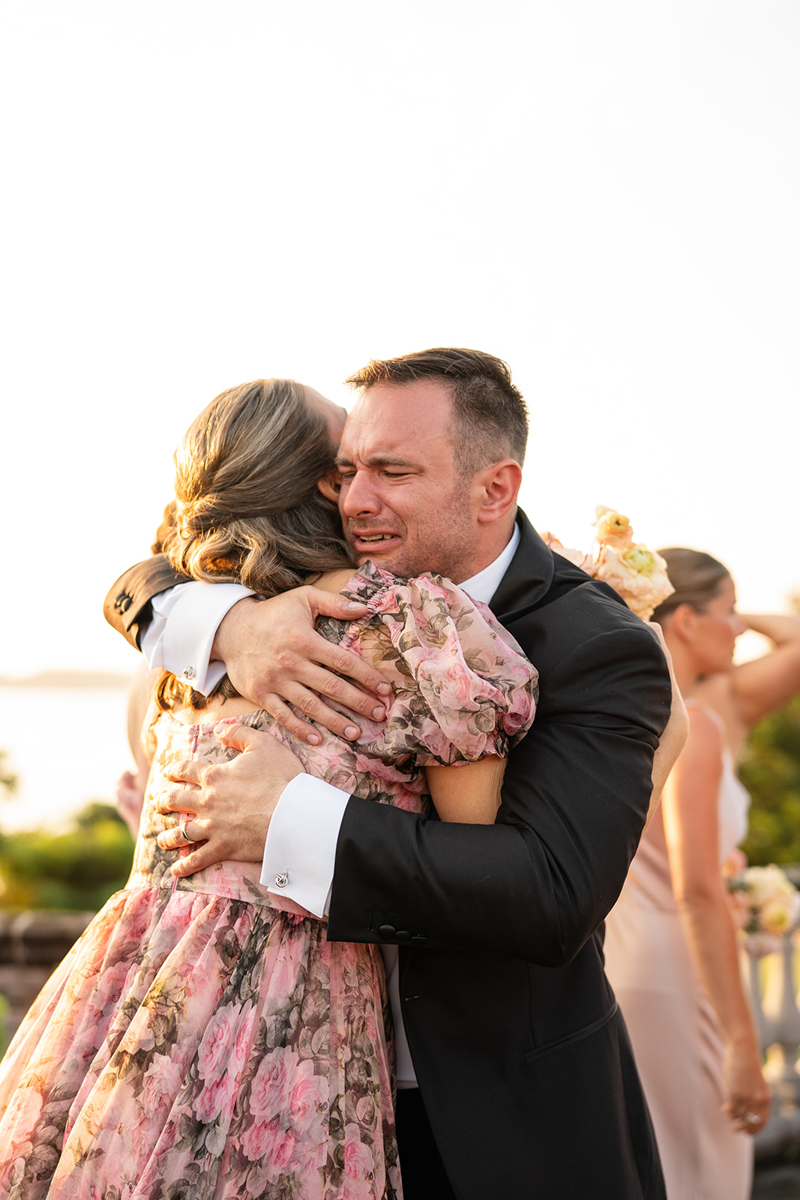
(300, 851)
(185, 622)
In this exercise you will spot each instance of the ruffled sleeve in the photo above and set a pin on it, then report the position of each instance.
(463, 689)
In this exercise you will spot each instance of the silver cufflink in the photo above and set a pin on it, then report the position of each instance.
(282, 878)
(188, 673)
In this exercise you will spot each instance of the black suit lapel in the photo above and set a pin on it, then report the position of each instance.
(529, 575)
(535, 577)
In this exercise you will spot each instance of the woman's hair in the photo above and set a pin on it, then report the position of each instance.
(696, 577)
(247, 508)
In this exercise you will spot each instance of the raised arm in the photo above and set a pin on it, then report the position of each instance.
(762, 685)
(269, 648)
(749, 691)
(128, 606)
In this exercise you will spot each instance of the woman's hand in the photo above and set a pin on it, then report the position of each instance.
(275, 658)
(747, 1101)
(130, 801)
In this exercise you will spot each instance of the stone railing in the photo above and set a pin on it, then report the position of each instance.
(772, 984)
(31, 945)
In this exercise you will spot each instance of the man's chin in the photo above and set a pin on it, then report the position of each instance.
(396, 563)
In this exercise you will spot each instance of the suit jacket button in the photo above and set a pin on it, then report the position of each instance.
(387, 931)
(418, 939)
(403, 935)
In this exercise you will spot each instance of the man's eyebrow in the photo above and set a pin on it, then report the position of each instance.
(375, 460)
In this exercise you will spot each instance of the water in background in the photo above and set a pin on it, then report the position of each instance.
(67, 746)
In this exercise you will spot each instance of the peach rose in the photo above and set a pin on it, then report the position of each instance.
(578, 557)
(778, 916)
(765, 884)
(613, 528)
(638, 575)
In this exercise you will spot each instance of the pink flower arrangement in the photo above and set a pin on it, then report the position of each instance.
(637, 574)
(765, 905)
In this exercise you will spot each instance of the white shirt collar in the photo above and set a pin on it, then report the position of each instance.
(484, 585)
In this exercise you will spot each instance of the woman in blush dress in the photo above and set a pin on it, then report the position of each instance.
(203, 1038)
(671, 951)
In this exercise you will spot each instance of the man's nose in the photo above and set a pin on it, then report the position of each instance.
(359, 496)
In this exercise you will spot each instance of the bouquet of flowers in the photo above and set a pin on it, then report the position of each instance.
(639, 575)
(764, 903)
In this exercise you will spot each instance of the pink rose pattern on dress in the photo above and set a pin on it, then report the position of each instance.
(203, 1038)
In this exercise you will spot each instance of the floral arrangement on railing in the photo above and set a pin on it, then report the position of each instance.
(765, 904)
(637, 574)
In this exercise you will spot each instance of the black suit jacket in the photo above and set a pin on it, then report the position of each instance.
(521, 1054)
(522, 1057)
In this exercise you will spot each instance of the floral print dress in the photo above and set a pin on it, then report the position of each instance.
(203, 1038)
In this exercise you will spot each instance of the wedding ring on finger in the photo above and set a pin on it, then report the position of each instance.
(182, 830)
(752, 1118)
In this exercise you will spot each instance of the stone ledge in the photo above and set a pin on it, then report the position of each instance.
(39, 937)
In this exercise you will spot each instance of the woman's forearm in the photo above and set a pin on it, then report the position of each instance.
(712, 941)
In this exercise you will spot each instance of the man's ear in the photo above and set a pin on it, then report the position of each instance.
(499, 485)
(331, 484)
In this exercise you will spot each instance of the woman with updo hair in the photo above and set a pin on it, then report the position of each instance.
(203, 1038)
(671, 948)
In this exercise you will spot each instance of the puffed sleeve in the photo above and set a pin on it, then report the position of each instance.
(463, 689)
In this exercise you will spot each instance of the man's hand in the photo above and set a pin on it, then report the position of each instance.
(274, 657)
(233, 802)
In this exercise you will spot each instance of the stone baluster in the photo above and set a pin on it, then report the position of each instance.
(751, 974)
(777, 1020)
(783, 1025)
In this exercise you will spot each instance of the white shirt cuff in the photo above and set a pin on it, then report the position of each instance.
(300, 851)
(185, 622)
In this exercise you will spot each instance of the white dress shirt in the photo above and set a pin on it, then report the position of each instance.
(300, 850)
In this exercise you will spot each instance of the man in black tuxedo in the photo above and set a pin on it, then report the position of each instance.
(527, 1085)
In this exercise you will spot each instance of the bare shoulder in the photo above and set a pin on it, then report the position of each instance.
(334, 581)
(704, 742)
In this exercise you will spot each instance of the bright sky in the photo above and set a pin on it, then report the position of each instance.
(198, 194)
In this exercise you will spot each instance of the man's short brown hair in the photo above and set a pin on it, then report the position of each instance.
(491, 419)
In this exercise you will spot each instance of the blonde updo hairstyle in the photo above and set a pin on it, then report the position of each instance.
(696, 577)
(247, 508)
